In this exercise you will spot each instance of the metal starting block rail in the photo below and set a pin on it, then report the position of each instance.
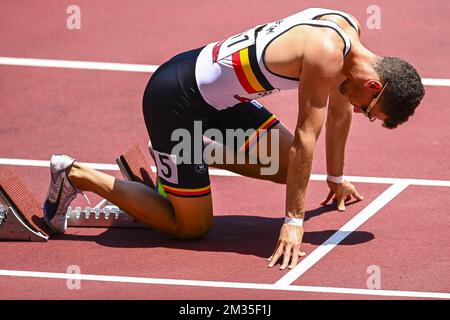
(106, 217)
(2, 214)
(13, 227)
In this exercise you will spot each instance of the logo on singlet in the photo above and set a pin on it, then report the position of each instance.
(274, 26)
(201, 168)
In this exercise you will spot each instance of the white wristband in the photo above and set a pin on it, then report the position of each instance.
(294, 221)
(335, 179)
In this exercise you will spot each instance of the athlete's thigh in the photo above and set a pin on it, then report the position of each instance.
(182, 174)
(182, 178)
(264, 144)
(186, 185)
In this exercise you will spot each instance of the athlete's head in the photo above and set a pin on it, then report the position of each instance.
(399, 90)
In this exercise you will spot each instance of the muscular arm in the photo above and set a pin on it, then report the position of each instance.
(338, 123)
(321, 64)
(319, 70)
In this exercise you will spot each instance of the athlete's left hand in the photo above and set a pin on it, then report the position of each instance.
(341, 192)
(288, 246)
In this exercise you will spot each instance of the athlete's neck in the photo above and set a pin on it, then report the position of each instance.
(359, 63)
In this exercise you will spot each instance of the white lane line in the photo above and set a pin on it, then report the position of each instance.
(219, 172)
(342, 233)
(380, 180)
(73, 64)
(219, 284)
(127, 67)
(97, 166)
(436, 82)
(25, 162)
(225, 173)
(46, 164)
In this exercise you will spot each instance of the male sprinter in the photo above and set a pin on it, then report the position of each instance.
(316, 51)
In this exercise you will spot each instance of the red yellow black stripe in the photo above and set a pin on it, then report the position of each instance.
(267, 125)
(247, 71)
(239, 70)
(181, 192)
(255, 67)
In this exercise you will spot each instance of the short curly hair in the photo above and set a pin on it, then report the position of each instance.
(403, 92)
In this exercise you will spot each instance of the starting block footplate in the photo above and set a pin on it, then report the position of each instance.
(21, 215)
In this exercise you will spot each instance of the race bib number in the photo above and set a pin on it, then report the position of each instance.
(167, 166)
(236, 43)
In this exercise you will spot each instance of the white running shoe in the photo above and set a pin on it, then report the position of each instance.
(60, 194)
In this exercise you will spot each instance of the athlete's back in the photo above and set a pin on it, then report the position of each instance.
(234, 70)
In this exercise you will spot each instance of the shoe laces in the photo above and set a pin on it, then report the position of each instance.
(85, 197)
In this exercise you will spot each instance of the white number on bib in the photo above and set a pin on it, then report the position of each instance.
(238, 42)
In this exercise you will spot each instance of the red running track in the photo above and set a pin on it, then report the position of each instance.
(95, 115)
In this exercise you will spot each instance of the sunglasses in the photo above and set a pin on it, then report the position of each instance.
(374, 101)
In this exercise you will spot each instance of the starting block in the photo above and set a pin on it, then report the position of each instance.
(134, 166)
(21, 214)
(109, 216)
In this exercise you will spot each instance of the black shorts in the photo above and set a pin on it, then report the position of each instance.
(173, 101)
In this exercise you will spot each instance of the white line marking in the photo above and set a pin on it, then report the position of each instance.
(127, 67)
(46, 164)
(342, 233)
(71, 64)
(101, 203)
(225, 173)
(380, 180)
(436, 82)
(219, 284)
(97, 166)
(24, 162)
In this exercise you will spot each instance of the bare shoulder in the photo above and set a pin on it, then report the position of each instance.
(325, 50)
(357, 22)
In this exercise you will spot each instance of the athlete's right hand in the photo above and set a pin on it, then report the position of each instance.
(288, 245)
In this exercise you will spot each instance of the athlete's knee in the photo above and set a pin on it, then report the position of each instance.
(193, 215)
(193, 232)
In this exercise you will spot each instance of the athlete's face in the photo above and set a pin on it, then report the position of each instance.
(361, 93)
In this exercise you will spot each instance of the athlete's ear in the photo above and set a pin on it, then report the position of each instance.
(374, 85)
